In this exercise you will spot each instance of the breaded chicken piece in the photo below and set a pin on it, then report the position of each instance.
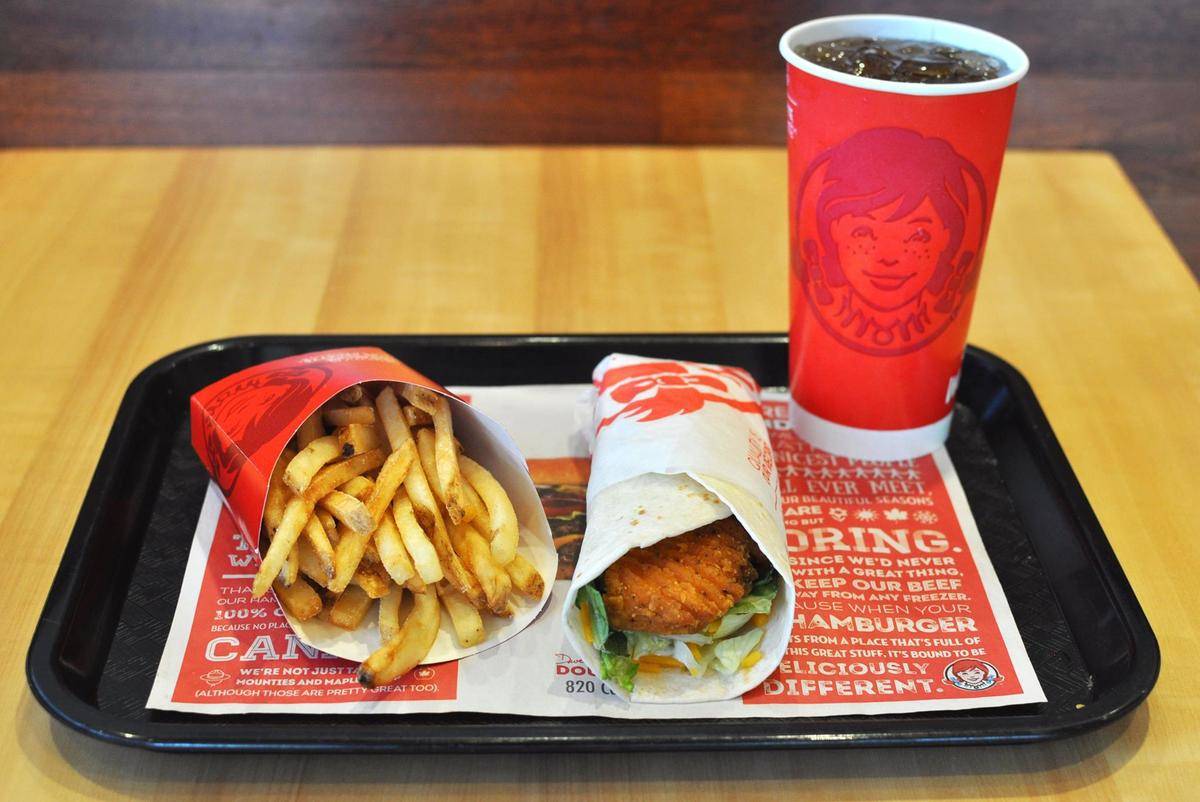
(680, 585)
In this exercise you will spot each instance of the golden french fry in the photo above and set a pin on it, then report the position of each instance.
(391, 549)
(352, 395)
(429, 458)
(360, 487)
(468, 625)
(277, 493)
(525, 578)
(391, 476)
(350, 608)
(295, 515)
(415, 584)
(389, 614)
(299, 599)
(477, 554)
(329, 524)
(373, 583)
(344, 416)
(331, 477)
(312, 458)
(291, 567)
(388, 409)
(310, 430)
(416, 542)
(415, 416)
(449, 476)
(358, 438)
(499, 507)
(476, 510)
(422, 398)
(318, 540)
(347, 557)
(310, 565)
(349, 510)
(402, 653)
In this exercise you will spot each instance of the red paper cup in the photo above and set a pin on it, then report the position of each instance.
(891, 187)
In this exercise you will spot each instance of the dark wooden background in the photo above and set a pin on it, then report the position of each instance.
(1122, 75)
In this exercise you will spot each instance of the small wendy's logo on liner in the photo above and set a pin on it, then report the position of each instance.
(888, 231)
(651, 391)
(969, 674)
(251, 412)
(214, 677)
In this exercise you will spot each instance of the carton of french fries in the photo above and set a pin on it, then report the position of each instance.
(396, 525)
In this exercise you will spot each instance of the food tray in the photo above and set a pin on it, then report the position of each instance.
(98, 641)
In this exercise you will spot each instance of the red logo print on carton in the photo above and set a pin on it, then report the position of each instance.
(655, 390)
(244, 416)
(888, 231)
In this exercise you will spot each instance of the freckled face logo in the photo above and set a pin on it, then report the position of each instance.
(889, 225)
(971, 675)
(251, 412)
(654, 390)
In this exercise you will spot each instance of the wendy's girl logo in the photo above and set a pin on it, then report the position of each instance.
(889, 226)
(649, 391)
(971, 675)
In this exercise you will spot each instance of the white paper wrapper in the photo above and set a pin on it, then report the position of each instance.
(679, 445)
(486, 442)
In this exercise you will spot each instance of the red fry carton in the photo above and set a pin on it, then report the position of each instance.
(241, 424)
(891, 187)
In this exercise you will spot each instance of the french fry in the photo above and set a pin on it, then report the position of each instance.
(373, 583)
(391, 476)
(525, 578)
(318, 541)
(392, 553)
(277, 493)
(453, 569)
(415, 584)
(503, 517)
(346, 558)
(401, 654)
(449, 475)
(295, 515)
(352, 395)
(310, 565)
(329, 524)
(331, 477)
(420, 397)
(416, 542)
(344, 416)
(477, 511)
(299, 599)
(468, 625)
(291, 568)
(427, 451)
(349, 510)
(388, 410)
(360, 487)
(310, 430)
(350, 608)
(304, 466)
(477, 554)
(415, 416)
(358, 438)
(389, 614)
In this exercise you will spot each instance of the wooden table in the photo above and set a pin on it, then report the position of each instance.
(111, 258)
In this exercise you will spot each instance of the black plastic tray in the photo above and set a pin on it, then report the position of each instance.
(98, 642)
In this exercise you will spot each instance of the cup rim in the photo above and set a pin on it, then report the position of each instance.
(955, 32)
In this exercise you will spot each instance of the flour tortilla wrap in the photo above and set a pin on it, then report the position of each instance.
(679, 445)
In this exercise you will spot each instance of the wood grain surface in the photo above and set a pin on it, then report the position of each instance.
(112, 258)
(1106, 74)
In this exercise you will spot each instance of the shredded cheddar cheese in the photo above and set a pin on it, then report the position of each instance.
(751, 659)
(585, 622)
(759, 619)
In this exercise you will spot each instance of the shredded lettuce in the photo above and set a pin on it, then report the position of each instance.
(695, 666)
(643, 643)
(597, 613)
(758, 600)
(619, 669)
(730, 652)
